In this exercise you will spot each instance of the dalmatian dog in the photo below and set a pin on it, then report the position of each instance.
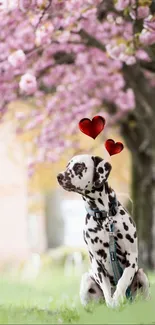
(87, 175)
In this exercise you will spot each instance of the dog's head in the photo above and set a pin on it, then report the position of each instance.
(84, 173)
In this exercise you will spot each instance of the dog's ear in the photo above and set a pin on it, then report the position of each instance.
(101, 171)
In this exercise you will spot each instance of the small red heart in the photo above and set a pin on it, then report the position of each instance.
(92, 128)
(113, 147)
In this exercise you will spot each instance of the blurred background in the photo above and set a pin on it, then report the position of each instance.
(61, 61)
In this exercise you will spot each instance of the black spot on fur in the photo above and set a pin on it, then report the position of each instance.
(97, 189)
(111, 198)
(96, 160)
(90, 256)
(79, 168)
(85, 240)
(100, 277)
(106, 188)
(125, 226)
(129, 238)
(96, 179)
(122, 212)
(87, 192)
(87, 234)
(100, 201)
(133, 265)
(84, 236)
(135, 234)
(92, 291)
(131, 221)
(102, 253)
(92, 205)
(118, 246)
(119, 235)
(121, 260)
(112, 205)
(107, 166)
(127, 263)
(101, 269)
(119, 252)
(95, 230)
(111, 278)
(87, 218)
(100, 170)
(96, 239)
(106, 244)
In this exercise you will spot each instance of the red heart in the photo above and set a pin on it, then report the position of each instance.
(92, 128)
(113, 147)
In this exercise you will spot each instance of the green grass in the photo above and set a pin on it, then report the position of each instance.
(52, 298)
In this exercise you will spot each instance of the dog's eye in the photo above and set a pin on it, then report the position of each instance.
(78, 168)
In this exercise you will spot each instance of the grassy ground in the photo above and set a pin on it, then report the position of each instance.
(53, 298)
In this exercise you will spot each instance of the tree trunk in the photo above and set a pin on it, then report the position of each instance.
(139, 133)
(143, 189)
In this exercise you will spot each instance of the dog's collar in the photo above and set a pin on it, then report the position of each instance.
(96, 213)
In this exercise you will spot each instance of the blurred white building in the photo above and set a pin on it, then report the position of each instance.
(74, 218)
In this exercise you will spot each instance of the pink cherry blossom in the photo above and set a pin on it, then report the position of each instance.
(141, 13)
(28, 83)
(69, 58)
(116, 51)
(44, 34)
(17, 58)
(122, 4)
(149, 23)
(147, 37)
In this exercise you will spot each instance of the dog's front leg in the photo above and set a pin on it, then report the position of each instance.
(104, 283)
(106, 289)
(125, 281)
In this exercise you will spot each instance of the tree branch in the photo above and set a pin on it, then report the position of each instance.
(43, 13)
(90, 41)
(150, 66)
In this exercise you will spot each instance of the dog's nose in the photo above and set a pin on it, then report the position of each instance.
(60, 178)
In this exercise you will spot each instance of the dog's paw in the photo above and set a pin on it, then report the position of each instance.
(117, 300)
(111, 304)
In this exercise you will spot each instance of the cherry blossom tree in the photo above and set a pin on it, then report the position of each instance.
(74, 59)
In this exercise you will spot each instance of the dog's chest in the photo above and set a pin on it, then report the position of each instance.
(96, 235)
(96, 232)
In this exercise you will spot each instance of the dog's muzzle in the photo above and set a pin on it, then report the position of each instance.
(60, 178)
(65, 182)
